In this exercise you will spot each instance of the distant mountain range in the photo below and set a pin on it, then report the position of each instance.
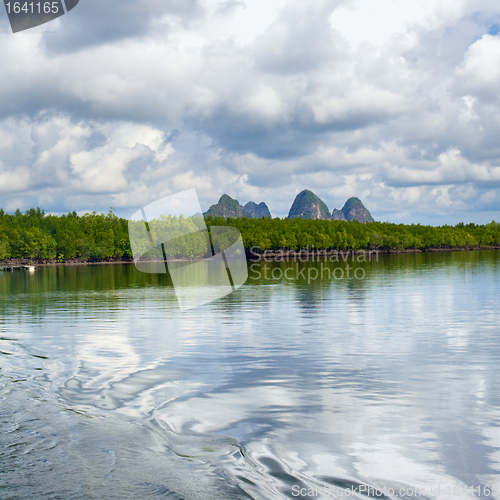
(229, 207)
(306, 206)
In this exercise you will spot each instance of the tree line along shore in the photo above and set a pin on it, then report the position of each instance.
(40, 238)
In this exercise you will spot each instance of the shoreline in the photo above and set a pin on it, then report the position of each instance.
(23, 263)
(315, 254)
(267, 256)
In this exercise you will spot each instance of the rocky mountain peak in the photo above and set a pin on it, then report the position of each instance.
(308, 206)
(355, 210)
(228, 207)
(257, 211)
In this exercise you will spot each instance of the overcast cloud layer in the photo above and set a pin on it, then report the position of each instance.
(126, 101)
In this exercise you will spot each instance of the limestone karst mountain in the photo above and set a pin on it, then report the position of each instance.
(308, 206)
(337, 215)
(257, 211)
(228, 207)
(354, 209)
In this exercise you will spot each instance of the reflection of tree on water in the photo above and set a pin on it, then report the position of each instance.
(388, 270)
(314, 281)
(86, 284)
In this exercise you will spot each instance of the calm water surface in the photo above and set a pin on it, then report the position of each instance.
(284, 389)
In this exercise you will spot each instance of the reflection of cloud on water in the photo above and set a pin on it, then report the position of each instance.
(395, 385)
(112, 374)
(389, 461)
(106, 355)
(370, 397)
(334, 433)
(219, 410)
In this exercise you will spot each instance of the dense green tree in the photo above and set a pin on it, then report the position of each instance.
(37, 236)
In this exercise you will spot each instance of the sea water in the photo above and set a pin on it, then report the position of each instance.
(298, 385)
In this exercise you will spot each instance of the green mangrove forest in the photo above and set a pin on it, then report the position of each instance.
(37, 236)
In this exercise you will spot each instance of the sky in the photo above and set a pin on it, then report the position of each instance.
(119, 103)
